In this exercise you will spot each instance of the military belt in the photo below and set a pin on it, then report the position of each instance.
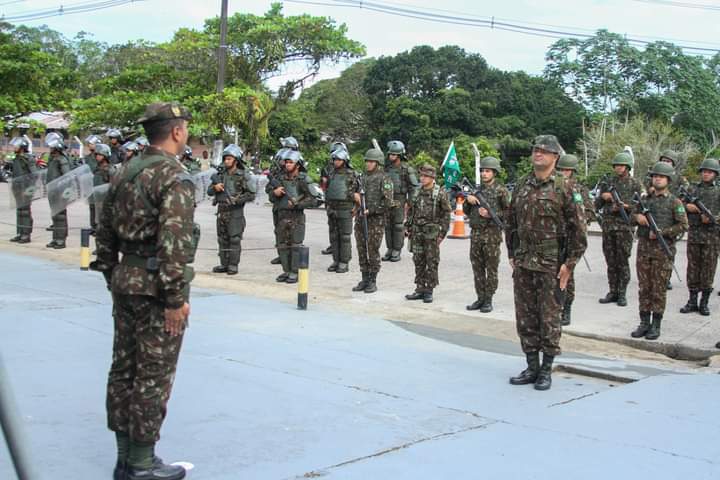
(148, 263)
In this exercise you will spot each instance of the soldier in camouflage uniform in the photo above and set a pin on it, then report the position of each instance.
(189, 162)
(486, 235)
(703, 238)
(567, 166)
(290, 196)
(617, 237)
(324, 179)
(101, 176)
(23, 164)
(148, 217)
(58, 165)
(427, 224)
(277, 169)
(546, 236)
(232, 189)
(115, 142)
(654, 267)
(340, 198)
(378, 188)
(405, 188)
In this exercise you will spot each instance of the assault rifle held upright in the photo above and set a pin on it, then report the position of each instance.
(637, 199)
(465, 188)
(616, 200)
(695, 200)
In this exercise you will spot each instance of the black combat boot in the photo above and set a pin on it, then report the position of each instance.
(644, 326)
(544, 379)
(388, 255)
(692, 303)
(611, 297)
(275, 261)
(416, 295)
(292, 277)
(341, 268)
(530, 374)
(333, 267)
(232, 270)
(654, 332)
(704, 310)
(24, 239)
(428, 297)
(565, 318)
(395, 256)
(475, 305)
(362, 283)
(282, 277)
(487, 307)
(16, 238)
(160, 471)
(327, 251)
(59, 244)
(717, 345)
(621, 299)
(371, 286)
(220, 269)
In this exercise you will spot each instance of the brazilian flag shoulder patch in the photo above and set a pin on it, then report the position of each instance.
(577, 198)
(680, 209)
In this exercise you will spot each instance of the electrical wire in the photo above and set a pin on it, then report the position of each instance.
(670, 3)
(67, 9)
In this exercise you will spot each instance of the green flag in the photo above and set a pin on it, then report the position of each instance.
(451, 167)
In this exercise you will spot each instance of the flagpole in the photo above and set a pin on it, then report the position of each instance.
(446, 154)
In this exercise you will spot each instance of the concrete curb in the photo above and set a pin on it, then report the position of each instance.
(675, 351)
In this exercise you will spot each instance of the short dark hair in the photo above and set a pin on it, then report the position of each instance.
(159, 131)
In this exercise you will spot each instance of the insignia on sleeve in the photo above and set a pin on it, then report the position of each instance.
(577, 198)
(680, 209)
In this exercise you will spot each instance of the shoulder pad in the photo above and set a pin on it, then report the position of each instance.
(184, 177)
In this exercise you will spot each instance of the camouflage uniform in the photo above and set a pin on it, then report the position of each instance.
(191, 164)
(290, 229)
(590, 217)
(148, 217)
(378, 199)
(405, 189)
(485, 241)
(546, 228)
(617, 236)
(653, 265)
(703, 246)
(23, 164)
(58, 165)
(239, 189)
(428, 222)
(342, 185)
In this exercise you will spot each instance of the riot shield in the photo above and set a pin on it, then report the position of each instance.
(217, 150)
(202, 183)
(260, 182)
(97, 197)
(75, 185)
(26, 188)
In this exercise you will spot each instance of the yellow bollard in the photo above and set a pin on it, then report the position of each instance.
(85, 248)
(303, 277)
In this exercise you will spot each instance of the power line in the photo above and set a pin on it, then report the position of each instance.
(670, 3)
(68, 9)
(494, 23)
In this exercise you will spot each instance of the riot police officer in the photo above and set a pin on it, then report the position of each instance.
(405, 188)
(339, 197)
(23, 168)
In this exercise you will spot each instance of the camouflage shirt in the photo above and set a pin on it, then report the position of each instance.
(498, 198)
(546, 224)
(150, 216)
(430, 208)
(626, 187)
(669, 214)
(707, 233)
(378, 192)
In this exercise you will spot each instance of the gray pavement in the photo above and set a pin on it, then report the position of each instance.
(685, 336)
(265, 391)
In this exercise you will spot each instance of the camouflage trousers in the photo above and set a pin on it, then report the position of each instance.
(230, 228)
(24, 221)
(340, 226)
(426, 257)
(290, 235)
(701, 265)
(538, 303)
(617, 248)
(143, 367)
(369, 259)
(484, 258)
(60, 226)
(653, 275)
(93, 216)
(395, 226)
(570, 289)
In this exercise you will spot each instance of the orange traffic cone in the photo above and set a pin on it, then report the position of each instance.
(458, 220)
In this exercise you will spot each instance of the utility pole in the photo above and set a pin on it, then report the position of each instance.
(222, 52)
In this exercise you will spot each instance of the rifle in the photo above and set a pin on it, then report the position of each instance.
(616, 200)
(637, 199)
(695, 200)
(363, 207)
(465, 188)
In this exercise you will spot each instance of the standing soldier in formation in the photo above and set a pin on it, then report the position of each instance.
(546, 236)
(58, 165)
(567, 166)
(148, 217)
(232, 189)
(115, 138)
(617, 236)
(101, 176)
(23, 166)
(325, 178)
(130, 149)
(405, 188)
(486, 235)
(290, 196)
(378, 189)
(654, 266)
(277, 170)
(89, 159)
(340, 198)
(703, 237)
(189, 162)
(427, 225)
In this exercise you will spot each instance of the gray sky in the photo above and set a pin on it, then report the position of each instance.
(383, 34)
